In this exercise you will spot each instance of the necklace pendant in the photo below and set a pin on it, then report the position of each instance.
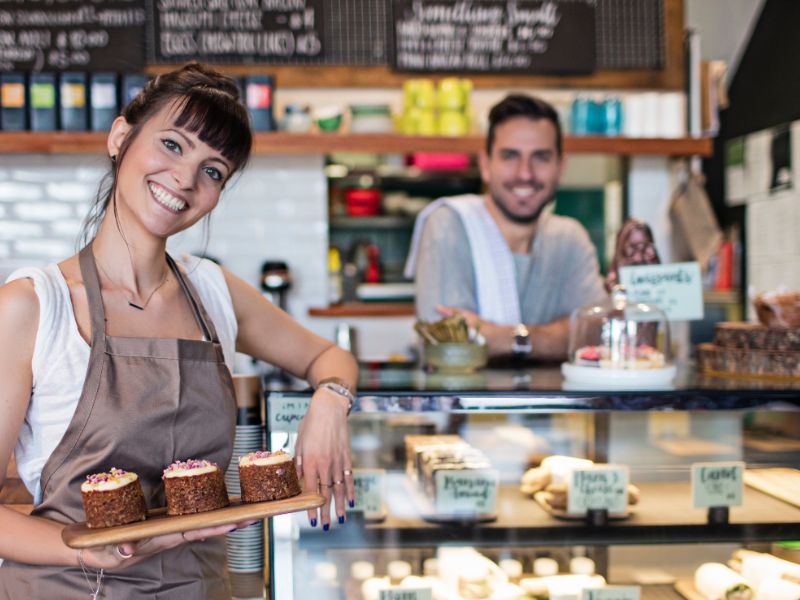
(134, 305)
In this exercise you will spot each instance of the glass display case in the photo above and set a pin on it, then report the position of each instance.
(468, 486)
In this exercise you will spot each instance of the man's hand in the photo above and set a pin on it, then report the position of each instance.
(549, 340)
(498, 337)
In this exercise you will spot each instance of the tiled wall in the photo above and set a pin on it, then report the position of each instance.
(276, 209)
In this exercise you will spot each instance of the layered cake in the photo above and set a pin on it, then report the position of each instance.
(194, 486)
(640, 357)
(752, 350)
(266, 476)
(113, 498)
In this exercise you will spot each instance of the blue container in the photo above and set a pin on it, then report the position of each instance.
(597, 118)
(43, 98)
(132, 84)
(13, 102)
(73, 101)
(579, 116)
(103, 100)
(613, 116)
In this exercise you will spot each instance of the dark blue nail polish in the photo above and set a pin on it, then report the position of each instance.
(352, 503)
(341, 519)
(326, 527)
(313, 522)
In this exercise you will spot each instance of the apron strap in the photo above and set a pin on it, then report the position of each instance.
(206, 324)
(91, 283)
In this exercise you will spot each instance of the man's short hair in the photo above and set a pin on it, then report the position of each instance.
(520, 105)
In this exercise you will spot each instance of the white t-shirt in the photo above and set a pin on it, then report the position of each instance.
(61, 358)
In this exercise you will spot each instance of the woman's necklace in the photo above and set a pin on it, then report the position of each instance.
(95, 590)
(131, 303)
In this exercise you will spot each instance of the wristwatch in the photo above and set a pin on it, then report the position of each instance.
(341, 387)
(521, 341)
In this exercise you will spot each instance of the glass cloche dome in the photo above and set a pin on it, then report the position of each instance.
(618, 342)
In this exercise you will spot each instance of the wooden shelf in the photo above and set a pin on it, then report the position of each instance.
(722, 296)
(365, 309)
(66, 142)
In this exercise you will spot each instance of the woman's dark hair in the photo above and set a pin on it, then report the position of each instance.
(520, 105)
(206, 103)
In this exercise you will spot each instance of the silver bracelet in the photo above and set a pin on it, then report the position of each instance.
(339, 386)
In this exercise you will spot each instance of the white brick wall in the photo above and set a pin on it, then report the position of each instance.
(276, 209)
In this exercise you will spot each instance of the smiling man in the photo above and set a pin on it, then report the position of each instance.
(500, 258)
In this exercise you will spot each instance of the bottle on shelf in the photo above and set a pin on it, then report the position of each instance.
(335, 277)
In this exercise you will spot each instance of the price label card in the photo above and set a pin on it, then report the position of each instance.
(613, 592)
(406, 594)
(717, 484)
(675, 288)
(466, 492)
(286, 412)
(601, 487)
(369, 490)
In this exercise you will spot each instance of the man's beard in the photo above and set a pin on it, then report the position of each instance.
(521, 219)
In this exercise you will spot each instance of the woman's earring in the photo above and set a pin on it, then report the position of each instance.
(113, 158)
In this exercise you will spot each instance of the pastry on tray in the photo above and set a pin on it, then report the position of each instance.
(194, 486)
(113, 498)
(266, 476)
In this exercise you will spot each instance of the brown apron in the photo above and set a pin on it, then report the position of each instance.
(145, 403)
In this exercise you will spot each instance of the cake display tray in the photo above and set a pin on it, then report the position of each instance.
(560, 513)
(78, 535)
(598, 378)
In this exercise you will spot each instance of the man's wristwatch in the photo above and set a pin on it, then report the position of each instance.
(341, 387)
(521, 341)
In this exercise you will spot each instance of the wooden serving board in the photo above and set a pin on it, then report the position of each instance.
(781, 482)
(78, 535)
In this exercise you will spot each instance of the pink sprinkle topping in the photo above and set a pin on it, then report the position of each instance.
(265, 454)
(180, 465)
(112, 475)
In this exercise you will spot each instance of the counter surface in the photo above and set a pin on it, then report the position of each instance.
(390, 388)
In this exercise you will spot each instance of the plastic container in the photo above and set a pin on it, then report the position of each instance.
(371, 118)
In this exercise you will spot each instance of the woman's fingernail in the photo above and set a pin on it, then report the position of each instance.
(352, 503)
(313, 522)
(232, 529)
(326, 527)
(341, 519)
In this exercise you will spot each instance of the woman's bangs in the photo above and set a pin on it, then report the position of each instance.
(219, 121)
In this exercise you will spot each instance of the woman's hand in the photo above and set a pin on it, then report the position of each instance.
(322, 454)
(121, 556)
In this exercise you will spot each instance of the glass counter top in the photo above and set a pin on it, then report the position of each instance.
(544, 387)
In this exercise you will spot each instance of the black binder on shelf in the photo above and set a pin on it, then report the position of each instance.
(104, 105)
(258, 93)
(42, 102)
(72, 101)
(13, 101)
(132, 84)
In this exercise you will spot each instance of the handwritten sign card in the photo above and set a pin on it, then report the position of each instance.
(613, 592)
(675, 288)
(603, 487)
(406, 594)
(369, 485)
(717, 484)
(466, 492)
(286, 412)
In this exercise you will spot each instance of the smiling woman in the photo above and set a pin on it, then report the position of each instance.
(121, 357)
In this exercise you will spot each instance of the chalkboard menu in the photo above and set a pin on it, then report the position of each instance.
(489, 36)
(100, 35)
(236, 31)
